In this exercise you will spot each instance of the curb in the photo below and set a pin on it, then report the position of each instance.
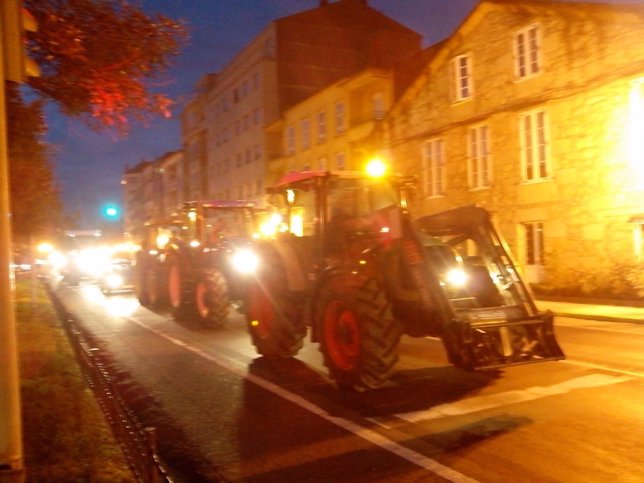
(601, 318)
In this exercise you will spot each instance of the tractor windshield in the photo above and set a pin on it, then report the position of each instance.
(221, 223)
(359, 197)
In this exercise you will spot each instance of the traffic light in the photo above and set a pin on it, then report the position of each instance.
(15, 21)
(111, 212)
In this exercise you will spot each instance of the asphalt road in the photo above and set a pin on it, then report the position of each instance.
(236, 417)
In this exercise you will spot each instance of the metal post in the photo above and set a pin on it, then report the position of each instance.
(11, 457)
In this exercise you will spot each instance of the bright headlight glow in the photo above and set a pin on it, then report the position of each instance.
(456, 277)
(245, 261)
(114, 280)
(376, 168)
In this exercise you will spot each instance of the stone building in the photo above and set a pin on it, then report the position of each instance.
(224, 141)
(534, 110)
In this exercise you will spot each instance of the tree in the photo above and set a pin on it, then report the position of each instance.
(98, 59)
(35, 202)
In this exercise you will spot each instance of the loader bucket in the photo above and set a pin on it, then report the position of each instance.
(491, 318)
(494, 343)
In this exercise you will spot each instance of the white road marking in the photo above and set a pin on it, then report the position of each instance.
(481, 403)
(592, 365)
(373, 437)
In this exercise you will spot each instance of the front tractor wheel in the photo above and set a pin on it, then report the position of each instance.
(274, 315)
(211, 298)
(359, 335)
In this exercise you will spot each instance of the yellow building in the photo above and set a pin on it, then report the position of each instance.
(340, 127)
(535, 110)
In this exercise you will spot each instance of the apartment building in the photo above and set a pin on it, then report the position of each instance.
(338, 128)
(226, 148)
(534, 110)
(152, 190)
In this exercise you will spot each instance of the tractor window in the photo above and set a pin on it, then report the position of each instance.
(159, 237)
(296, 216)
(359, 197)
(303, 213)
(227, 223)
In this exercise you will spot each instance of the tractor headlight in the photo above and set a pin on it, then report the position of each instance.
(245, 261)
(456, 278)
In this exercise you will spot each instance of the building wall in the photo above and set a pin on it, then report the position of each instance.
(292, 59)
(345, 144)
(591, 64)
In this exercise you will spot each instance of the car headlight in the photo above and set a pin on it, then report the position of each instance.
(114, 280)
(245, 261)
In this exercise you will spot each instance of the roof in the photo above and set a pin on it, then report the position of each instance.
(218, 204)
(348, 14)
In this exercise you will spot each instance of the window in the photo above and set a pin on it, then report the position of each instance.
(534, 243)
(463, 81)
(527, 52)
(255, 82)
(378, 106)
(434, 168)
(321, 117)
(479, 157)
(340, 161)
(306, 133)
(339, 118)
(257, 117)
(322, 164)
(534, 146)
(638, 239)
(290, 140)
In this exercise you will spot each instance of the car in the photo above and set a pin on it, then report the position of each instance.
(117, 276)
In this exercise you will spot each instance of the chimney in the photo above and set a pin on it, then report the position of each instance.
(324, 3)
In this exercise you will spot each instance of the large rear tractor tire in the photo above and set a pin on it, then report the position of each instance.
(140, 287)
(274, 315)
(157, 296)
(180, 304)
(211, 298)
(359, 335)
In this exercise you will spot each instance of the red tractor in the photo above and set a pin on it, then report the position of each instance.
(350, 263)
(200, 262)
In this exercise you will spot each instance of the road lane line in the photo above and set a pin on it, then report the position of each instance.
(492, 401)
(367, 434)
(592, 365)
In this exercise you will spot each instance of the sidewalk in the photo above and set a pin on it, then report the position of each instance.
(614, 313)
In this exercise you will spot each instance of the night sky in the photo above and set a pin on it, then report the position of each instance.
(89, 165)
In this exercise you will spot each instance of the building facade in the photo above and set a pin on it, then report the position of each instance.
(533, 109)
(340, 127)
(226, 146)
(152, 191)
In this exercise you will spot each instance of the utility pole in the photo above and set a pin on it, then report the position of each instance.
(14, 66)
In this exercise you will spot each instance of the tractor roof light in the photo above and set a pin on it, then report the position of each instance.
(376, 168)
